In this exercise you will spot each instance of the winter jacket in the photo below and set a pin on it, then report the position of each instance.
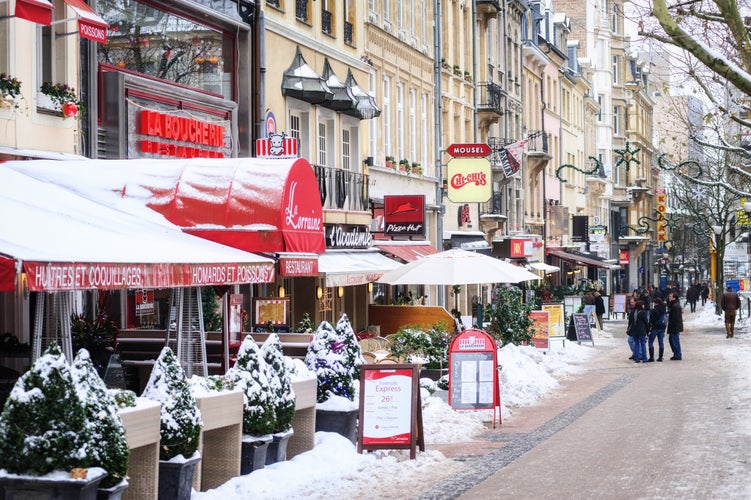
(640, 327)
(599, 305)
(654, 317)
(730, 301)
(675, 317)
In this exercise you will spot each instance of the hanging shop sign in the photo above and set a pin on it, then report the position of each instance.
(521, 248)
(347, 236)
(56, 277)
(469, 180)
(662, 208)
(276, 146)
(624, 256)
(404, 215)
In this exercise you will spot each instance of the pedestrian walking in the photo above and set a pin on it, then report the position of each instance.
(704, 293)
(730, 303)
(631, 313)
(675, 325)
(639, 330)
(599, 309)
(658, 321)
(692, 296)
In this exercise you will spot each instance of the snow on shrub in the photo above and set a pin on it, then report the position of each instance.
(280, 382)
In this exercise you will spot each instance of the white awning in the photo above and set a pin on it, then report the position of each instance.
(541, 266)
(353, 267)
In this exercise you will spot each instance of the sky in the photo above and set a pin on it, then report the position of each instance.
(334, 469)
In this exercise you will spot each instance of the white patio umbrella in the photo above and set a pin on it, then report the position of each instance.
(456, 267)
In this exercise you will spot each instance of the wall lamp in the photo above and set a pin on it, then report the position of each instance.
(319, 292)
(340, 292)
(281, 292)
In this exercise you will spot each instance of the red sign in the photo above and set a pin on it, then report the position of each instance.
(624, 256)
(190, 138)
(476, 150)
(473, 372)
(298, 266)
(541, 327)
(404, 215)
(53, 277)
(276, 146)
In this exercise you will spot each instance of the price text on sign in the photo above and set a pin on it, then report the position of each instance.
(479, 150)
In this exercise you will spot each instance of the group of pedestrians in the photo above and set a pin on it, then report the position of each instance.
(647, 324)
(695, 292)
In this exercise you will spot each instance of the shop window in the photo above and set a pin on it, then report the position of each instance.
(166, 46)
(51, 57)
(5, 38)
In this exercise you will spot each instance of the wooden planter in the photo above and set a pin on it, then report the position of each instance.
(142, 433)
(304, 422)
(222, 415)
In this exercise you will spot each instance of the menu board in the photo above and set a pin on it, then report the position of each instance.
(579, 329)
(557, 325)
(390, 409)
(472, 379)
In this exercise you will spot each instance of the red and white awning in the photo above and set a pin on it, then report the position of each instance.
(90, 24)
(65, 242)
(36, 11)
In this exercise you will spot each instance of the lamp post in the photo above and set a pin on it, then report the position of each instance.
(717, 265)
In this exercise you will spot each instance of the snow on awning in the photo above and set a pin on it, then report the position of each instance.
(66, 242)
(252, 204)
(355, 267)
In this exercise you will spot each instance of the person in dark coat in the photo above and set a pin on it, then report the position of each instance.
(631, 313)
(638, 331)
(692, 296)
(675, 325)
(599, 309)
(657, 325)
(704, 293)
(730, 303)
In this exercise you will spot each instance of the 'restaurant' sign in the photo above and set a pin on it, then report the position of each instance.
(293, 265)
(469, 180)
(54, 277)
(404, 215)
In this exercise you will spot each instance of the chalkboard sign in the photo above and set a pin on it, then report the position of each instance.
(578, 328)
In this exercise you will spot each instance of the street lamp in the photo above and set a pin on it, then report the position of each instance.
(719, 253)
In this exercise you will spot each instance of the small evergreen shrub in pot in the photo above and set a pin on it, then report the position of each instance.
(250, 375)
(180, 426)
(44, 429)
(280, 384)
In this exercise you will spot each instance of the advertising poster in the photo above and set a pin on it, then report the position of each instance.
(387, 410)
(557, 323)
(541, 326)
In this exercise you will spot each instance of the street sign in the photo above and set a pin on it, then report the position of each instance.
(475, 150)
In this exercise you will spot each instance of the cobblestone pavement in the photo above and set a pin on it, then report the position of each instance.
(621, 430)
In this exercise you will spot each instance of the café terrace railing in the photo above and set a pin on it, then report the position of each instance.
(342, 189)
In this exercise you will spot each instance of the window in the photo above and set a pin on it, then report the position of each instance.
(373, 129)
(400, 119)
(299, 128)
(614, 22)
(322, 144)
(616, 61)
(386, 10)
(616, 120)
(4, 39)
(424, 129)
(346, 155)
(600, 99)
(412, 124)
(387, 115)
(166, 46)
(51, 56)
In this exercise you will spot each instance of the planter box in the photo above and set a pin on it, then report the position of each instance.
(176, 478)
(304, 422)
(22, 487)
(341, 422)
(254, 449)
(277, 451)
(142, 433)
(113, 492)
(222, 415)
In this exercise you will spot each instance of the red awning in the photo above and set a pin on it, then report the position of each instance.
(408, 253)
(36, 11)
(252, 204)
(90, 24)
(7, 274)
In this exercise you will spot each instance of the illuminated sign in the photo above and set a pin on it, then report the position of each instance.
(469, 180)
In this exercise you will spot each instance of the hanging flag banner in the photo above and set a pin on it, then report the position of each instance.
(511, 155)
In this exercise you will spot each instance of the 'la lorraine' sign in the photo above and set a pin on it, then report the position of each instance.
(469, 180)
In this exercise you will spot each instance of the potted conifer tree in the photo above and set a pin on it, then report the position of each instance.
(335, 357)
(259, 406)
(108, 446)
(179, 428)
(43, 432)
(280, 383)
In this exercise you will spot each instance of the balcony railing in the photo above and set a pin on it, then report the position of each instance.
(342, 189)
(326, 21)
(301, 10)
(489, 98)
(538, 144)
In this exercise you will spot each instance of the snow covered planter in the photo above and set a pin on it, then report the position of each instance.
(179, 429)
(280, 383)
(44, 435)
(108, 446)
(335, 357)
(250, 375)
